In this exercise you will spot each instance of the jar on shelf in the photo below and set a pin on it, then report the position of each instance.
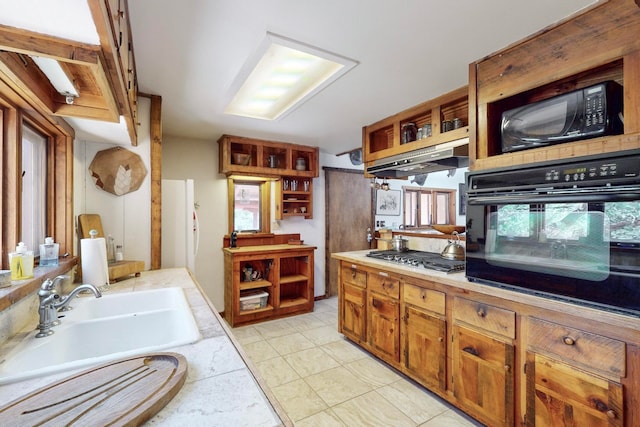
(409, 132)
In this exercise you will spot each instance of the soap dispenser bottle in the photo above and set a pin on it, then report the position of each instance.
(21, 262)
(49, 252)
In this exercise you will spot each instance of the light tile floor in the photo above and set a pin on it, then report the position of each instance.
(322, 379)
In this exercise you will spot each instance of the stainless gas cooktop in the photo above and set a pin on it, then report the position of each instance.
(429, 260)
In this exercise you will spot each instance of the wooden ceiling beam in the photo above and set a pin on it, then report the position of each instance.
(32, 43)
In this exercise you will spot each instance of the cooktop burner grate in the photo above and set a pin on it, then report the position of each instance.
(429, 260)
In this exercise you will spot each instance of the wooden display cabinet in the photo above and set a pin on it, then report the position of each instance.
(294, 197)
(250, 156)
(384, 138)
(285, 272)
(567, 56)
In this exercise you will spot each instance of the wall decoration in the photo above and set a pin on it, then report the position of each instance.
(388, 202)
(118, 170)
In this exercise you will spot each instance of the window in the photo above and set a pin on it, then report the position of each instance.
(249, 204)
(34, 188)
(426, 206)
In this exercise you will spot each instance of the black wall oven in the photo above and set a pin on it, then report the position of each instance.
(559, 230)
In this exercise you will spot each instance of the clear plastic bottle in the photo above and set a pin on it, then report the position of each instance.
(49, 252)
(111, 250)
(21, 262)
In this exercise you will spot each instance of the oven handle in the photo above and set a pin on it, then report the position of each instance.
(552, 198)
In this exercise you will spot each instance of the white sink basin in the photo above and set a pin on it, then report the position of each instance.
(99, 330)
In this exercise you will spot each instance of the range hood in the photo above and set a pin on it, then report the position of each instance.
(450, 155)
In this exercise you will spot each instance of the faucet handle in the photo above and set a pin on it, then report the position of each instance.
(47, 285)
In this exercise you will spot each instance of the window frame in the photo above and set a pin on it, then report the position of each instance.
(265, 202)
(433, 192)
(15, 111)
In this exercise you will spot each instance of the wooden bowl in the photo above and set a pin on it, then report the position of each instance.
(241, 158)
(448, 229)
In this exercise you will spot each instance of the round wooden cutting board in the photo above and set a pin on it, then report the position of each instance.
(123, 392)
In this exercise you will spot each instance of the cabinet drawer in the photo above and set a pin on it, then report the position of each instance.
(350, 273)
(485, 316)
(594, 352)
(423, 298)
(384, 283)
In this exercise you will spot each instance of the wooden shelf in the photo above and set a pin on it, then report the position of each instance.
(249, 156)
(293, 278)
(383, 138)
(290, 203)
(258, 310)
(287, 272)
(254, 284)
(292, 302)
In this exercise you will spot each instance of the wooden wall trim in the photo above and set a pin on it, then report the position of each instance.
(156, 180)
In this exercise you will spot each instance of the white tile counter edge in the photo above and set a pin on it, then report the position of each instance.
(222, 387)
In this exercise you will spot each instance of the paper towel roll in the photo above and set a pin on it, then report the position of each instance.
(95, 269)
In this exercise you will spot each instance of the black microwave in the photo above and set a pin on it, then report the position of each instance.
(581, 114)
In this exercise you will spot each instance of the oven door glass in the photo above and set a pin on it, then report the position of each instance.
(566, 240)
(587, 251)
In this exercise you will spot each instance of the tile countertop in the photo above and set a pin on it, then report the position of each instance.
(222, 386)
(460, 286)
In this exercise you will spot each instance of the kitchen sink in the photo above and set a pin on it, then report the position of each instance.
(100, 330)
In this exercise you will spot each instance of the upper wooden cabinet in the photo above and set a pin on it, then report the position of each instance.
(598, 44)
(384, 138)
(104, 75)
(248, 156)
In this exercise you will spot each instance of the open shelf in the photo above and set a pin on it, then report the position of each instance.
(285, 285)
(254, 284)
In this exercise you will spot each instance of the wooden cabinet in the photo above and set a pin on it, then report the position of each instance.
(573, 377)
(423, 332)
(383, 315)
(283, 272)
(568, 56)
(352, 307)
(384, 138)
(509, 358)
(294, 197)
(483, 361)
(249, 156)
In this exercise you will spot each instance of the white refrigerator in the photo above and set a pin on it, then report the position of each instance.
(180, 230)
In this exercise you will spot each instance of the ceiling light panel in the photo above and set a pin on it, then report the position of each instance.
(281, 76)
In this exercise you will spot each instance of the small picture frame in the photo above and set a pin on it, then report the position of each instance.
(388, 202)
(462, 199)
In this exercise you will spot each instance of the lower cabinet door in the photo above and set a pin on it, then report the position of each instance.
(561, 395)
(424, 347)
(483, 378)
(383, 328)
(353, 312)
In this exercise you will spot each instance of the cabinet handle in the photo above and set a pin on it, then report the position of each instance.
(353, 273)
(507, 368)
(375, 303)
(611, 414)
(482, 312)
(471, 350)
(423, 295)
(440, 339)
(568, 340)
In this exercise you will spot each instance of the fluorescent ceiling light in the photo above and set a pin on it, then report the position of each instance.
(56, 75)
(281, 76)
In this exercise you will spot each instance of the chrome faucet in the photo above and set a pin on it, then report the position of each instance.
(51, 302)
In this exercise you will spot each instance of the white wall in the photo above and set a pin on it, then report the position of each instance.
(184, 158)
(128, 217)
(434, 180)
